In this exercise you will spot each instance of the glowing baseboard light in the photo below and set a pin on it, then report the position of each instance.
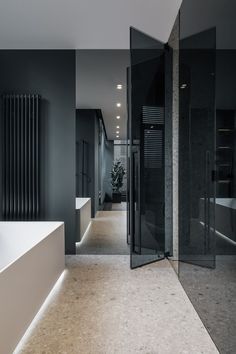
(84, 235)
(40, 313)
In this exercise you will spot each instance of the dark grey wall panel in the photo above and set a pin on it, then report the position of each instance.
(96, 166)
(100, 152)
(225, 79)
(101, 164)
(85, 131)
(105, 158)
(109, 158)
(50, 73)
(200, 15)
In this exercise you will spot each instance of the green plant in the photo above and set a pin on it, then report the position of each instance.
(117, 175)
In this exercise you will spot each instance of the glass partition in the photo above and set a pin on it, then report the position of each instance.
(197, 149)
(208, 125)
(146, 134)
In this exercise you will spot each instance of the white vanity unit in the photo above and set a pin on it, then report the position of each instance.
(83, 216)
(31, 261)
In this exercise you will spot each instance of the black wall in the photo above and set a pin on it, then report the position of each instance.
(51, 74)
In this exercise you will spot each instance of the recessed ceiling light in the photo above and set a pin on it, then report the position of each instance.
(117, 127)
(117, 136)
(119, 87)
(117, 132)
(117, 117)
(118, 104)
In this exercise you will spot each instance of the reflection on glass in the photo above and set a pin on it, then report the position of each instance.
(197, 148)
(147, 149)
(210, 283)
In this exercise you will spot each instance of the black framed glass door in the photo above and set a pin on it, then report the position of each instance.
(146, 149)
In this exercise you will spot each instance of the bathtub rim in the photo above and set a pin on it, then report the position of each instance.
(44, 236)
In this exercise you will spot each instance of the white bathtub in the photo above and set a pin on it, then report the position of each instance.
(31, 261)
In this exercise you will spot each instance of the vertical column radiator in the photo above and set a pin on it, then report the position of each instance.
(21, 157)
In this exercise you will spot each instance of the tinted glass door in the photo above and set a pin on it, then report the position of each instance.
(146, 149)
(197, 149)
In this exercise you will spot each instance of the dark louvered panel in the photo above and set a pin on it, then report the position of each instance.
(153, 115)
(21, 157)
(153, 148)
(153, 130)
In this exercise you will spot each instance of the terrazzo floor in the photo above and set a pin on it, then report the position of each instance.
(213, 294)
(103, 307)
(115, 206)
(106, 235)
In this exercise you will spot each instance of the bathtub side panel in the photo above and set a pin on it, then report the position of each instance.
(25, 285)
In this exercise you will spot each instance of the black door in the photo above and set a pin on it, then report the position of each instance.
(146, 149)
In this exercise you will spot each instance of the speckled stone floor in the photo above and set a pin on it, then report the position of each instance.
(213, 294)
(106, 235)
(119, 206)
(115, 206)
(103, 307)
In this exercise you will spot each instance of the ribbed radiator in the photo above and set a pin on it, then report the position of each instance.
(21, 157)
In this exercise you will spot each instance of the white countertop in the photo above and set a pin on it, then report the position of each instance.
(80, 202)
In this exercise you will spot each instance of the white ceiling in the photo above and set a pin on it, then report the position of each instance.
(98, 72)
(82, 24)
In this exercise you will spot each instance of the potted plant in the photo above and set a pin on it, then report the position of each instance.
(117, 175)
